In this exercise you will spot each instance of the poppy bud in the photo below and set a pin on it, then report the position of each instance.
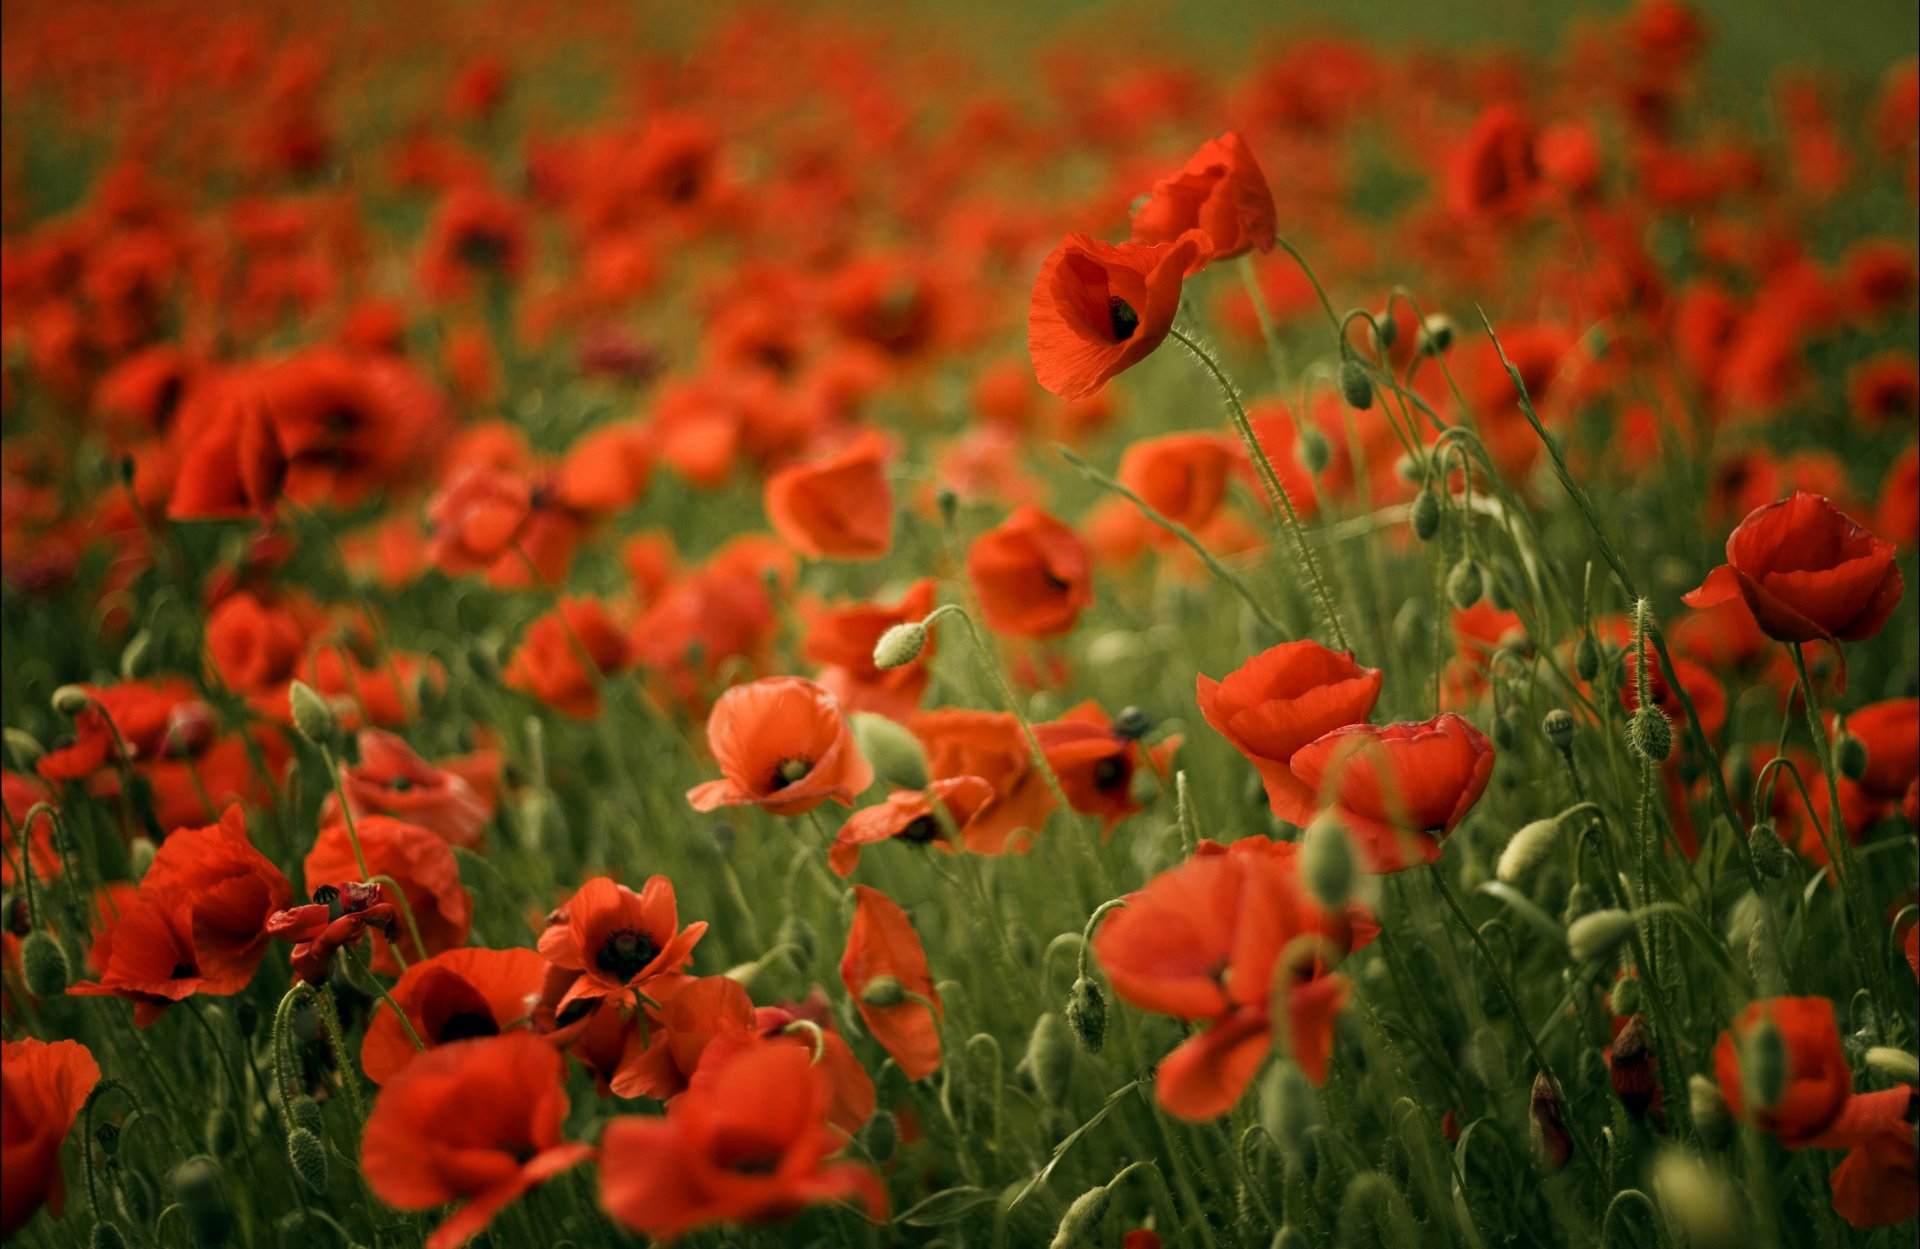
(1581, 900)
(900, 645)
(1132, 723)
(1410, 628)
(24, 747)
(1286, 1104)
(1526, 850)
(140, 855)
(1764, 1064)
(71, 700)
(106, 1236)
(1558, 727)
(1895, 1064)
(1697, 1200)
(1355, 385)
(1424, 514)
(1707, 1107)
(895, 753)
(883, 991)
(1082, 1220)
(1289, 1236)
(1597, 934)
(1628, 996)
(1313, 451)
(1436, 334)
(1049, 1057)
(1586, 658)
(1630, 1068)
(197, 1187)
(1650, 734)
(484, 660)
(308, 1157)
(1771, 858)
(1464, 582)
(1386, 330)
(44, 965)
(1552, 1144)
(311, 714)
(1850, 756)
(304, 1112)
(1739, 770)
(1327, 862)
(1086, 1013)
(881, 1135)
(222, 1131)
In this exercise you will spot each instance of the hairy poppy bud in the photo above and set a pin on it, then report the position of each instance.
(1552, 1144)
(1081, 1223)
(1771, 858)
(895, 753)
(1698, 1200)
(308, 1158)
(197, 1186)
(1527, 849)
(1850, 756)
(1436, 334)
(1133, 723)
(71, 700)
(1598, 934)
(140, 856)
(1628, 996)
(881, 1135)
(1326, 860)
(900, 645)
(1558, 726)
(311, 714)
(1086, 1013)
(883, 991)
(222, 1131)
(1581, 900)
(1630, 1068)
(1313, 451)
(1355, 386)
(1424, 514)
(1895, 1064)
(1586, 658)
(1465, 583)
(1049, 1057)
(1386, 330)
(304, 1113)
(24, 748)
(1650, 734)
(1764, 1064)
(1286, 1104)
(44, 965)
(1708, 1110)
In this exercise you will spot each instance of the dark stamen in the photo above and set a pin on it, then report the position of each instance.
(625, 952)
(1123, 319)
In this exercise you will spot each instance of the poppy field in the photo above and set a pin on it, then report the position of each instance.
(633, 626)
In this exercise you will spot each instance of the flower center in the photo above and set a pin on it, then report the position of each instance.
(922, 830)
(789, 771)
(466, 1025)
(183, 971)
(626, 952)
(1123, 319)
(1111, 773)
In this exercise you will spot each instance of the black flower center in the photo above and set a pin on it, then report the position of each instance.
(922, 830)
(183, 971)
(755, 1164)
(466, 1025)
(1122, 317)
(1111, 773)
(626, 952)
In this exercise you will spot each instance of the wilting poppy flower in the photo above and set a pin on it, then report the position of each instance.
(782, 745)
(476, 1122)
(748, 1142)
(843, 639)
(1032, 575)
(1816, 1082)
(231, 889)
(1095, 764)
(884, 964)
(1100, 308)
(1808, 571)
(990, 745)
(391, 780)
(1878, 1183)
(548, 665)
(919, 816)
(1632, 1069)
(146, 955)
(419, 861)
(1399, 789)
(840, 507)
(479, 516)
(455, 996)
(1220, 192)
(1182, 476)
(337, 918)
(617, 939)
(43, 1086)
(1280, 700)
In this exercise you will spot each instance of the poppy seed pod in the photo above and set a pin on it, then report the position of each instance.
(883, 991)
(1771, 858)
(1558, 727)
(305, 1114)
(1049, 1058)
(900, 645)
(1355, 386)
(1424, 514)
(1465, 582)
(311, 714)
(1650, 734)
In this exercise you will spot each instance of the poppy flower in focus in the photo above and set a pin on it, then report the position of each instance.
(939, 815)
(842, 639)
(782, 745)
(840, 507)
(146, 955)
(990, 745)
(1279, 701)
(231, 889)
(338, 917)
(1398, 789)
(475, 1122)
(615, 939)
(1221, 192)
(748, 1142)
(1808, 571)
(1032, 574)
(43, 1086)
(1814, 1084)
(419, 861)
(885, 969)
(1100, 308)
(1095, 763)
(547, 663)
(456, 996)
(391, 780)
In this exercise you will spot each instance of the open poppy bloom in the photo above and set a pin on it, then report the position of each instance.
(1280, 700)
(1816, 1082)
(1878, 1183)
(337, 917)
(1032, 574)
(840, 507)
(990, 745)
(146, 955)
(782, 745)
(615, 939)
(1183, 477)
(548, 665)
(809, 1025)
(939, 815)
(1399, 789)
(1100, 308)
(748, 1142)
(1095, 764)
(455, 996)
(476, 1122)
(231, 889)
(885, 969)
(392, 780)
(1221, 192)
(420, 862)
(42, 1089)
(1808, 571)
(478, 517)
(843, 639)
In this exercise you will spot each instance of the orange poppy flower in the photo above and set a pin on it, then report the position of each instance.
(1095, 764)
(478, 517)
(43, 1086)
(547, 663)
(616, 939)
(687, 1014)
(990, 745)
(843, 639)
(853, 1095)
(1100, 308)
(914, 815)
(455, 996)
(476, 1122)
(1182, 476)
(884, 959)
(1032, 574)
(840, 507)
(420, 861)
(782, 745)
(391, 780)
(1398, 789)
(1817, 1081)
(1221, 192)
(607, 470)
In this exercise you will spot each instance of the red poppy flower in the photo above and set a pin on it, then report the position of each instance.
(1280, 700)
(990, 745)
(146, 955)
(1494, 173)
(391, 780)
(843, 639)
(747, 1143)
(478, 516)
(476, 233)
(1100, 308)
(919, 816)
(231, 887)
(840, 507)
(1878, 1183)
(1890, 731)
(607, 470)
(1032, 575)
(136, 713)
(43, 1086)
(1220, 192)
(419, 861)
(617, 939)
(1898, 516)
(455, 996)
(547, 663)
(1808, 571)
(1886, 389)
(1817, 1081)
(687, 1015)
(782, 745)
(233, 465)
(1095, 764)
(476, 1122)
(1398, 788)
(809, 1024)
(337, 917)
(256, 647)
(1182, 476)
(884, 960)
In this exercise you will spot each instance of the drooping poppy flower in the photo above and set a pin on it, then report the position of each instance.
(1221, 192)
(146, 955)
(136, 714)
(43, 1086)
(939, 815)
(990, 745)
(1878, 1183)
(782, 745)
(1095, 763)
(1815, 1084)
(748, 1142)
(337, 918)
(455, 996)
(1100, 308)
(885, 969)
(843, 639)
(419, 861)
(547, 664)
(1184, 477)
(1280, 700)
(1399, 789)
(479, 516)
(231, 888)
(839, 507)
(475, 1122)
(1808, 571)
(1032, 575)
(616, 939)
(392, 780)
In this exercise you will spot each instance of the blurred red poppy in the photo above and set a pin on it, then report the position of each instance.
(1815, 1083)
(884, 964)
(1398, 789)
(839, 507)
(43, 1085)
(1032, 575)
